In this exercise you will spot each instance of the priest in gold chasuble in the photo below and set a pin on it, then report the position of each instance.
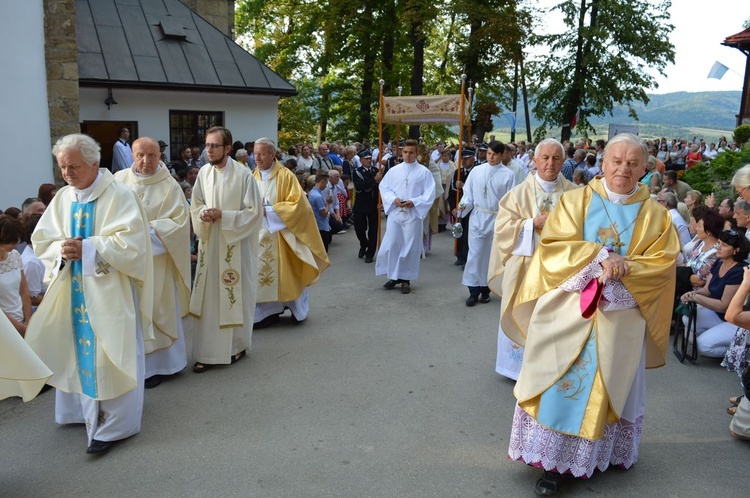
(226, 214)
(593, 312)
(169, 224)
(521, 215)
(292, 255)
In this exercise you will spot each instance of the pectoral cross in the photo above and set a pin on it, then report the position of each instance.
(102, 268)
(617, 244)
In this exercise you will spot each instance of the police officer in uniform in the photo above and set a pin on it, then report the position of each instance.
(365, 211)
(481, 154)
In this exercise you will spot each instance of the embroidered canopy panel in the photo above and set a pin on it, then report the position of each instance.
(424, 109)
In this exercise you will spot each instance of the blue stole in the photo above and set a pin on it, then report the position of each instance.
(82, 225)
(563, 405)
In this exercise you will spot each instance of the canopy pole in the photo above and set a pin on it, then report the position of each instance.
(380, 155)
(459, 160)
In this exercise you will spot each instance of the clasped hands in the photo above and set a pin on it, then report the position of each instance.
(615, 267)
(72, 249)
(403, 204)
(210, 215)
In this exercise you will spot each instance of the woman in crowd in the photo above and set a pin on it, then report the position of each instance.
(737, 358)
(46, 192)
(700, 253)
(713, 332)
(693, 157)
(693, 199)
(304, 160)
(33, 268)
(652, 178)
(14, 292)
(664, 156)
(347, 165)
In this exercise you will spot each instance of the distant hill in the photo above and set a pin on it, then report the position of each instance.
(708, 115)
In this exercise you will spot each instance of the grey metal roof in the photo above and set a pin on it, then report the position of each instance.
(164, 44)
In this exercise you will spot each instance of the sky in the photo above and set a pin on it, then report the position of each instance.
(700, 27)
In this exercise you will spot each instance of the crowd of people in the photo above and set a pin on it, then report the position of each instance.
(235, 233)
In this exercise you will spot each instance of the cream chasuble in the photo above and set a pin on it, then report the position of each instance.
(22, 373)
(550, 318)
(224, 291)
(293, 257)
(121, 240)
(167, 212)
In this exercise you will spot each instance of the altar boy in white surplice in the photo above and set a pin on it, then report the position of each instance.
(90, 327)
(407, 191)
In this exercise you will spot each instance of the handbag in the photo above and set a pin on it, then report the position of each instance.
(684, 339)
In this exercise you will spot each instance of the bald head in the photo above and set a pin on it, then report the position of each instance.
(146, 156)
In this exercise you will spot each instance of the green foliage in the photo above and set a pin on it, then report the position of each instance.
(599, 60)
(742, 134)
(700, 177)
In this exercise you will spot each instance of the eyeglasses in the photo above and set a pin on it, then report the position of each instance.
(214, 146)
(740, 190)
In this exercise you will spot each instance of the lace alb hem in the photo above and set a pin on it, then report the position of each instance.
(536, 445)
(589, 272)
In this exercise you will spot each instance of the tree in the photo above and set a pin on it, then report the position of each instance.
(601, 60)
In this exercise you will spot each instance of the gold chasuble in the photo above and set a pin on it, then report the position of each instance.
(120, 236)
(293, 257)
(564, 351)
(168, 214)
(524, 202)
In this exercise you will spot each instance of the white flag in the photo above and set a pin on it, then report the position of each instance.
(717, 70)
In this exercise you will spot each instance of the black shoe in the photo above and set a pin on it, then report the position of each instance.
(99, 447)
(405, 289)
(390, 284)
(471, 301)
(547, 484)
(266, 322)
(295, 320)
(484, 298)
(458, 262)
(152, 381)
(368, 259)
(361, 253)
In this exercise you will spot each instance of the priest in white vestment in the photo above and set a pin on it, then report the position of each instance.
(169, 225)
(226, 210)
(484, 188)
(292, 255)
(407, 192)
(90, 327)
(520, 219)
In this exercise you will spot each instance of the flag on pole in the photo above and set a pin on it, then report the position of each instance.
(717, 70)
(512, 119)
(575, 119)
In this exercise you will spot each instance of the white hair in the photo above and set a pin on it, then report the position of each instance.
(552, 141)
(742, 177)
(627, 138)
(241, 152)
(87, 146)
(271, 146)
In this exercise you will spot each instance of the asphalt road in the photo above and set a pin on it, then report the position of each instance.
(376, 394)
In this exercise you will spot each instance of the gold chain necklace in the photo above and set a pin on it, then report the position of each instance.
(616, 237)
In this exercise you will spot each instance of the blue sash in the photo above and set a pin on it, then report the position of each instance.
(82, 225)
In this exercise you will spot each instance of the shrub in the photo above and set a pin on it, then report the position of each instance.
(742, 134)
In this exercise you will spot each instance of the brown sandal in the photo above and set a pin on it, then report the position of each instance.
(732, 410)
(735, 401)
(199, 367)
(238, 357)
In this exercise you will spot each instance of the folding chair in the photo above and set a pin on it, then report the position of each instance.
(686, 338)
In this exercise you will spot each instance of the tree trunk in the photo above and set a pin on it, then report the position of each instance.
(515, 101)
(417, 76)
(525, 103)
(366, 97)
(580, 73)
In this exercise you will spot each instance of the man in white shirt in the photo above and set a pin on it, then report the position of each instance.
(669, 201)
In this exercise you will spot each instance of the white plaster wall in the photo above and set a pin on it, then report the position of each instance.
(24, 127)
(247, 116)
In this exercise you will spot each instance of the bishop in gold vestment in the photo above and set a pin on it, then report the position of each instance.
(594, 311)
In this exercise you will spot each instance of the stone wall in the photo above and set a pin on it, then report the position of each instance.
(61, 53)
(220, 13)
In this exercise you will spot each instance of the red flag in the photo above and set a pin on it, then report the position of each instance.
(575, 119)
